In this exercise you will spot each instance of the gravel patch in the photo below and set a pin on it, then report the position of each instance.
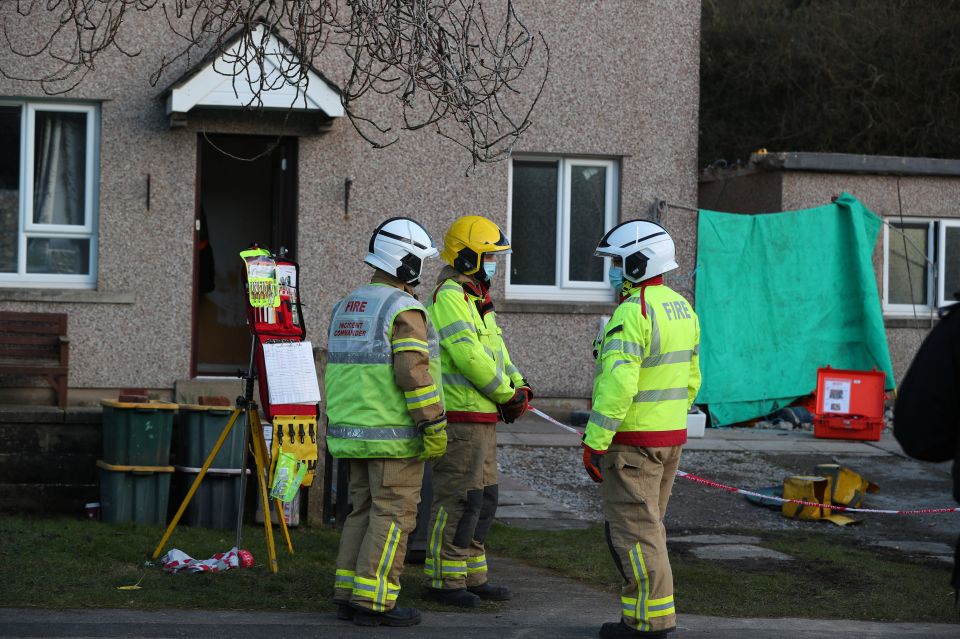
(557, 473)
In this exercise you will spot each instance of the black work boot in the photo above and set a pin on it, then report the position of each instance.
(344, 610)
(453, 597)
(620, 630)
(398, 617)
(491, 592)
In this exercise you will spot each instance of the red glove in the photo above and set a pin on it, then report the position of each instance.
(591, 462)
(515, 407)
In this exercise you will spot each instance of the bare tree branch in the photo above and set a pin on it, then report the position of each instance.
(448, 63)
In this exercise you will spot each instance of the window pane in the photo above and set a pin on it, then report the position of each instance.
(59, 167)
(62, 256)
(533, 231)
(588, 199)
(951, 263)
(9, 187)
(917, 248)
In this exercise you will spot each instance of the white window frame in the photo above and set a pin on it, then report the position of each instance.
(942, 257)
(30, 229)
(932, 244)
(566, 289)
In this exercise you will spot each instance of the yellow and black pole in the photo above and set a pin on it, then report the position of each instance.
(196, 484)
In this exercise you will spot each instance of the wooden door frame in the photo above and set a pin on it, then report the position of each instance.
(284, 186)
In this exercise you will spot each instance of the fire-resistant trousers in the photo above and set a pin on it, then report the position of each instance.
(385, 494)
(636, 488)
(465, 496)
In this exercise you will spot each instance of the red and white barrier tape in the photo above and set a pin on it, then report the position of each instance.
(741, 491)
(846, 509)
(542, 414)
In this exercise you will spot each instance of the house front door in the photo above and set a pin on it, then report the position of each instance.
(247, 193)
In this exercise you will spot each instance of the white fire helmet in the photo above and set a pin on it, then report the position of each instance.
(398, 247)
(647, 250)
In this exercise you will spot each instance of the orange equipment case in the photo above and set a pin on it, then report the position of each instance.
(849, 404)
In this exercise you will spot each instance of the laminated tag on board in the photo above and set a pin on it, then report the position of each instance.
(263, 287)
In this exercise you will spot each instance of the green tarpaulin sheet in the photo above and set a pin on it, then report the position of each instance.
(780, 295)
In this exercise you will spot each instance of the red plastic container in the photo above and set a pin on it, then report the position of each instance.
(849, 404)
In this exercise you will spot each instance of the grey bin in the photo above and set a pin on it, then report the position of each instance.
(198, 429)
(215, 503)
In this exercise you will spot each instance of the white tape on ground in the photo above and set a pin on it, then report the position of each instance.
(741, 491)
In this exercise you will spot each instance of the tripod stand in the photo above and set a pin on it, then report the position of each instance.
(246, 407)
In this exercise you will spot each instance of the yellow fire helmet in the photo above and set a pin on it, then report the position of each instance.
(468, 239)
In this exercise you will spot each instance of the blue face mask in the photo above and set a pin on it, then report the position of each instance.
(615, 277)
(489, 268)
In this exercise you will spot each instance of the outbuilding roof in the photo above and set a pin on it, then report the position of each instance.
(838, 163)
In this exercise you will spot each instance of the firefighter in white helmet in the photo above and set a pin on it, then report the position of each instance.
(385, 415)
(647, 376)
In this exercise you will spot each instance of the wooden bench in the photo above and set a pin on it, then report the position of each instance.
(36, 344)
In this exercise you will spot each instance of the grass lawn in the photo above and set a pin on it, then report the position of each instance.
(70, 563)
(829, 578)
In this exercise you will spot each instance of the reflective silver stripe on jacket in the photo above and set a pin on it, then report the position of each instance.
(346, 357)
(660, 395)
(409, 344)
(605, 422)
(366, 433)
(456, 379)
(495, 384)
(419, 398)
(654, 332)
(673, 357)
(453, 329)
(654, 329)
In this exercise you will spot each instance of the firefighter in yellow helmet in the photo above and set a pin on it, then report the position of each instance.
(481, 385)
(647, 376)
(385, 418)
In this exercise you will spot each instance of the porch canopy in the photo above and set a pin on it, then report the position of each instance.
(234, 79)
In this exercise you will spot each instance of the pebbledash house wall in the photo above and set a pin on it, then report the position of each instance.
(923, 188)
(614, 92)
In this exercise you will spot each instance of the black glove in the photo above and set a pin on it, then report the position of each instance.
(515, 407)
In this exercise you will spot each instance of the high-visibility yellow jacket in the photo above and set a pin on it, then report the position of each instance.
(477, 371)
(369, 415)
(647, 371)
